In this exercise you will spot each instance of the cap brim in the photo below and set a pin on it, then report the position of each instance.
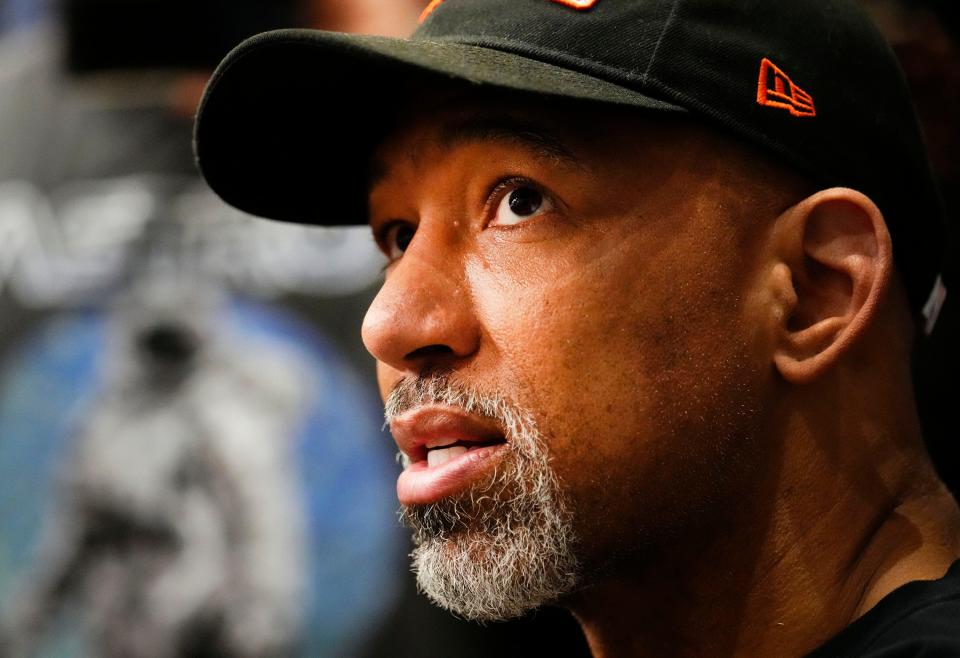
(289, 118)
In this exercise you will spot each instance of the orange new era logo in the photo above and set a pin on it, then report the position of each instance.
(576, 4)
(776, 89)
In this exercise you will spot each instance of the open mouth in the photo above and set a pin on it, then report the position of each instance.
(445, 450)
(448, 450)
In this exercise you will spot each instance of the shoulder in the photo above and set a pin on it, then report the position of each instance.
(919, 620)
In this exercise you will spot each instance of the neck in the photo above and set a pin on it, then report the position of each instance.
(807, 551)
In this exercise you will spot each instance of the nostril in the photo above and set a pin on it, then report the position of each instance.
(430, 351)
(168, 342)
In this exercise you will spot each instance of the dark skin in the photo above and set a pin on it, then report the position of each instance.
(716, 353)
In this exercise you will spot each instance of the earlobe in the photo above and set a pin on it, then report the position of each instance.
(836, 264)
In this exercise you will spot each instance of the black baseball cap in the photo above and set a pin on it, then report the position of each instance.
(290, 117)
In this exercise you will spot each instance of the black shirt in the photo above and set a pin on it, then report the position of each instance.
(919, 619)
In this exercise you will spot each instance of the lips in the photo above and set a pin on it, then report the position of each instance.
(448, 450)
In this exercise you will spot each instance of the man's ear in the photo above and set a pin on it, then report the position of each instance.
(835, 264)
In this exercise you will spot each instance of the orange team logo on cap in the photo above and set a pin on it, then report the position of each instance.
(576, 4)
(776, 89)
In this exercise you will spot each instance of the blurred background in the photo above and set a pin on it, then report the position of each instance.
(191, 455)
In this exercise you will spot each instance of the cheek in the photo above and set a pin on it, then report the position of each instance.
(637, 371)
(601, 332)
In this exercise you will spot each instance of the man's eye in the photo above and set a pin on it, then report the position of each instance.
(519, 204)
(397, 238)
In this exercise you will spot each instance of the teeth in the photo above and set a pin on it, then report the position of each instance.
(440, 456)
(440, 443)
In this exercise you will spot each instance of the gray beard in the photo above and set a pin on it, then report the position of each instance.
(506, 545)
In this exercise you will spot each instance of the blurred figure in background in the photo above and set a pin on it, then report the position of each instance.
(176, 476)
(178, 528)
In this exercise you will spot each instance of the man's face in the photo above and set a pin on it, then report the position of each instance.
(571, 294)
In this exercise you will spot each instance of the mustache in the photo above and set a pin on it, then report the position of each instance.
(413, 391)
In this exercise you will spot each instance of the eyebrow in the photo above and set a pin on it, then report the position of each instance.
(501, 128)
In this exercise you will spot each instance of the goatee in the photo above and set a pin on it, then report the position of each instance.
(506, 545)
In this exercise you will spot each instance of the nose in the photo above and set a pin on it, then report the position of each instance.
(423, 316)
